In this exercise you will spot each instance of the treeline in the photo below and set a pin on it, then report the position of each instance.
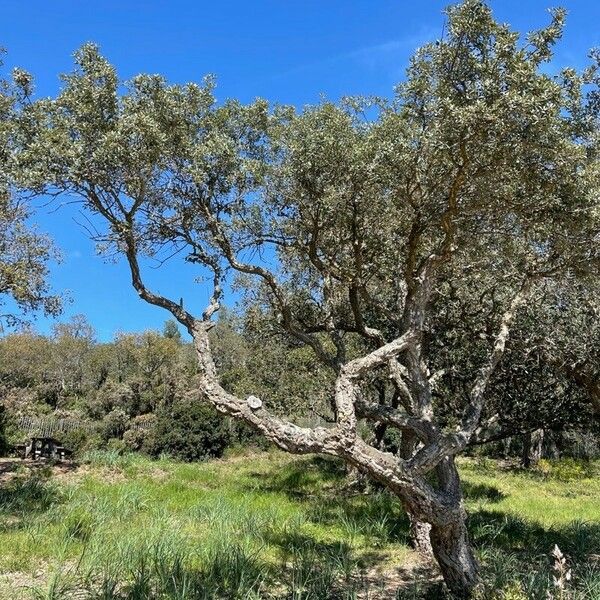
(138, 392)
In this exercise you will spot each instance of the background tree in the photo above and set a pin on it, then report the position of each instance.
(73, 341)
(481, 171)
(535, 388)
(24, 253)
(171, 330)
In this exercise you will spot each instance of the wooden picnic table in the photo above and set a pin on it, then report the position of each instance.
(42, 447)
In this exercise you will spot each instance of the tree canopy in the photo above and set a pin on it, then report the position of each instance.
(24, 252)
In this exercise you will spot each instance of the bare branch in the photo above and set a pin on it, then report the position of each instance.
(395, 418)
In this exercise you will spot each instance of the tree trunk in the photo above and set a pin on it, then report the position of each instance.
(356, 479)
(506, 447)
(552, 445)
(452, 550)
(419, 536)
(418, 530)
(532, 447)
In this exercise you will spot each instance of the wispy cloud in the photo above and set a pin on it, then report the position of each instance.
(390, 56)
(377, 54)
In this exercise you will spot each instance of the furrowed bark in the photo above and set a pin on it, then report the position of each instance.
(452, 550)
(418, 530)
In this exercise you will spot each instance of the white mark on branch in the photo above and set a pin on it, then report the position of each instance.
(254, 402)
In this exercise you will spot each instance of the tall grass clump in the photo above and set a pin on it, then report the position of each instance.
(112, 459)
(318, 570)
(540, 571)
(26, 494)
(160, 564)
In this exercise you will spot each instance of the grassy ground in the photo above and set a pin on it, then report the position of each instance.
(274, 526)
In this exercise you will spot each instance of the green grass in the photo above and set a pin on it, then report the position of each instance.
(553, 495)
(274, 526)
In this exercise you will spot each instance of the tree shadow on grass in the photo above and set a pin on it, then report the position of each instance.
(481, 491)
(511, 533)
(321, 484)
(332, 570)
(302, 478)
(516, 552)
(511, 549)
(292, 542)
(378, 516)
(318, 569)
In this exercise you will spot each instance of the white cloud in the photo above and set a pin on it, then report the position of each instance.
(389, 57)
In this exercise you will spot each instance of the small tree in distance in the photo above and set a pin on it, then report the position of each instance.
(171, 331)
(482, 172)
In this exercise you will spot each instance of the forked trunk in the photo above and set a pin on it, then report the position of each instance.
(452, 551)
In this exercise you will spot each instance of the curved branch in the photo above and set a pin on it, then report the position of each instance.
(229, 254)
(395, 418)
(177, 310)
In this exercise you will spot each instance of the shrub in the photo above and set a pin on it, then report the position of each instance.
(188, 430)
(140, 428)
(116, 445)
(566, 469)
(242, 435)
(78, 440)
(114, 424)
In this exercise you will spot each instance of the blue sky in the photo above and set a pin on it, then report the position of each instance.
(287, 51)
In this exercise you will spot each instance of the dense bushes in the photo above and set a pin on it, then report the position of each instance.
(125, 392)
(188, 430)
(567, 469)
